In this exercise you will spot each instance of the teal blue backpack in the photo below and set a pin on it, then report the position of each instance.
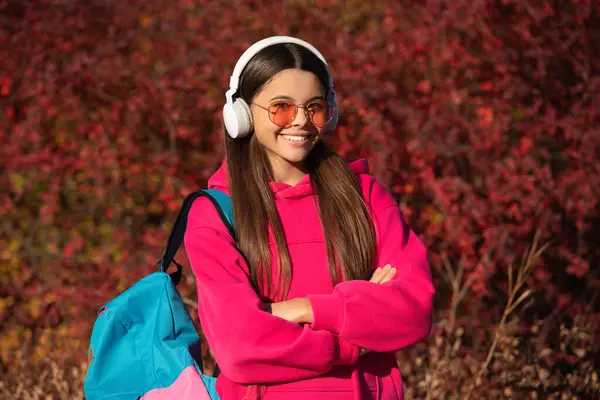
(143, 341)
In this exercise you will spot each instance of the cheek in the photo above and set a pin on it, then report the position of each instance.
(263, 127)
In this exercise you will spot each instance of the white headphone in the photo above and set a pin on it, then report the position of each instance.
(237, 116)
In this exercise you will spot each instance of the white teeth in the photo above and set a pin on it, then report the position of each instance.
(295, 138)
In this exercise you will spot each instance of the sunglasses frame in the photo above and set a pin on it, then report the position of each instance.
(298, 107)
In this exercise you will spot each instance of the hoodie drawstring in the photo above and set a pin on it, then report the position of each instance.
(356, 381)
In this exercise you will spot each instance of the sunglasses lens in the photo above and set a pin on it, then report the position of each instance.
(320, 112)
(283, 113)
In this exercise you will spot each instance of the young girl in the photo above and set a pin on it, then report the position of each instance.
(295, 306)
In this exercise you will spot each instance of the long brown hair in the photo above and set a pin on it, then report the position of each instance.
(349, 231)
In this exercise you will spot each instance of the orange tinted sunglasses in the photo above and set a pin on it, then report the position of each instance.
(283, 112)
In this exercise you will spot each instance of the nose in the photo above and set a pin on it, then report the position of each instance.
(301, 118)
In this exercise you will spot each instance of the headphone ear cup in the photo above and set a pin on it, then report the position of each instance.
(237, 118)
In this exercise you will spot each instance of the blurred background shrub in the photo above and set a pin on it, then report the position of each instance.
(481, 116)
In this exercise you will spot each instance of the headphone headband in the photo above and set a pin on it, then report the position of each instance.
(245, 58)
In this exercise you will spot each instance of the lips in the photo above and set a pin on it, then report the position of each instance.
(296, 134)
(296, 139)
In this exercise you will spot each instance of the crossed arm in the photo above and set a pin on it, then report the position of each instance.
(300, 311)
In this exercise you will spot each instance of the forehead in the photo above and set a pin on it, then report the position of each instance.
(295, 83)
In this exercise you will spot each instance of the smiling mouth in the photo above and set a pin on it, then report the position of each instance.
(296, 138)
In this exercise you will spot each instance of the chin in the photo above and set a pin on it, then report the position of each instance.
(296, 157)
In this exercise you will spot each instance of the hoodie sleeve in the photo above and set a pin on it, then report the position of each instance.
(390, 316)
(250, 345)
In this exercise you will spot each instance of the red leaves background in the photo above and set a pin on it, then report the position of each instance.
(481, 116)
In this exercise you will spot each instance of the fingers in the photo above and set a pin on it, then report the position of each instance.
(389, 275)
(383, 275)
(378, 275)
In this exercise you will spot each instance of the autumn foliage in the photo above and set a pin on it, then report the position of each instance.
(481, 116)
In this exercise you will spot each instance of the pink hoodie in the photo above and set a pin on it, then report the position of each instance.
(319, 360)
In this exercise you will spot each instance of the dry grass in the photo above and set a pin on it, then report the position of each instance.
(516, 362)
(45, 380)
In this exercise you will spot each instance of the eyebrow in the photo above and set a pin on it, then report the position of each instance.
(281, 97)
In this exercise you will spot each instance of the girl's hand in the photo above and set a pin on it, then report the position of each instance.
(383, 275)
(295, 310)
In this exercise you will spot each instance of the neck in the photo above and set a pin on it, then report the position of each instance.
(287, 172)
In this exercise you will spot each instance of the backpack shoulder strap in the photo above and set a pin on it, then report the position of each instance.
(223, 205)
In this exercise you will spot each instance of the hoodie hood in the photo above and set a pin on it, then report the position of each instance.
(219, 181)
